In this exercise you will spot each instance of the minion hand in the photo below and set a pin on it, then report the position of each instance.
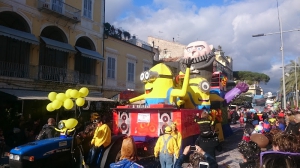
(188, 62)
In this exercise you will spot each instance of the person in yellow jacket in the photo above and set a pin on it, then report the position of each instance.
(177, 135)
(166, 147)
(101, 139)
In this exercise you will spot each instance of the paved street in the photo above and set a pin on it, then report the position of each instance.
(230, 157)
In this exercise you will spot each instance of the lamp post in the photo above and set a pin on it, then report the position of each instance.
(296, 81)
(281, 49)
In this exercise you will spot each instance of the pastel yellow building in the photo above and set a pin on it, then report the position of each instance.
(124, 63)
(53, 45)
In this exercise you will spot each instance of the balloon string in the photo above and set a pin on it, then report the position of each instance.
(79, 112)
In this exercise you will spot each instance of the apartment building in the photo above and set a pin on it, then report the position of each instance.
(54, 45)
(124, 63)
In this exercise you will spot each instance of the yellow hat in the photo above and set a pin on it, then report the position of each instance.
(168, 130)
(173, 124)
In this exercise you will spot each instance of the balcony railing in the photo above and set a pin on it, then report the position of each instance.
(60, 8)
(14, 70)
(55, 74)
(45, 73)
(88, 79)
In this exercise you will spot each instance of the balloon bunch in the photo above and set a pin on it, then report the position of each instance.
(65, 99)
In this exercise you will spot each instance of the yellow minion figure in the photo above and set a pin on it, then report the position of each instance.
(166, 148)
(66, 126)
(159, 85)
(198, 94)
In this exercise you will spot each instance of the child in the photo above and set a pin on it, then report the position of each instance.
(242, 120)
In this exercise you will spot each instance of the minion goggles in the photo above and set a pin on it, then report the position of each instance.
(150, 76)
(204, 86)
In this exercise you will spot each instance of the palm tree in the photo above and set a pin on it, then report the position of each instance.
(291, 77)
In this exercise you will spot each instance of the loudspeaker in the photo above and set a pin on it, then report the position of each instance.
(124, 122)
(165, 119)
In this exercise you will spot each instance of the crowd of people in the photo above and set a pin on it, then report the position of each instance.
(271, 139)
(22, 131)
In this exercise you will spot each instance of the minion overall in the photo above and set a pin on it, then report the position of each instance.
(166, 147)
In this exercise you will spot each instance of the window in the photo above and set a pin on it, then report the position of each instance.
(87, 9)
(111, 67)
(130, 72)
(57, 5)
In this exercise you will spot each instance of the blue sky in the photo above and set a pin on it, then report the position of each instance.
(229, 23)
(203, 3)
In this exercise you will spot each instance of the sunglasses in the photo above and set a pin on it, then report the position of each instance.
(96, 121)
(275, 152)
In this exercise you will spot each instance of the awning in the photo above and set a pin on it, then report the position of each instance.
(88, 98)
(27, 94)
(42, 95)
(57, 45)
(90, 53)
(19, 35)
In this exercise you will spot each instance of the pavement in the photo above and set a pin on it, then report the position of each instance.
(230, 157)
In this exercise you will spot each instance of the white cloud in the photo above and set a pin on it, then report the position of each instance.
(230, 26)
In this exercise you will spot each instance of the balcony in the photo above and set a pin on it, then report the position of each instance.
(55, 74)
(60, 9)
(14, 70)
(45, 73)
(88, 79)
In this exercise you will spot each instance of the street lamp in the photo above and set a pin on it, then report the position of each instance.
(281, 48)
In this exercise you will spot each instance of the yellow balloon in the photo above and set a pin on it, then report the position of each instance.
(74, 93)
(61, 97)
(71, 123)
(56, 104)
(49, 107)
(84, 91)
(52, 96)
(68, 93)
(68, 104)
(80, 101)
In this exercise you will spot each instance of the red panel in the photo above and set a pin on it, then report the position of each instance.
(184, 119)
(161, 106)
(115, 122)
(145, 129)
(188, 126)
